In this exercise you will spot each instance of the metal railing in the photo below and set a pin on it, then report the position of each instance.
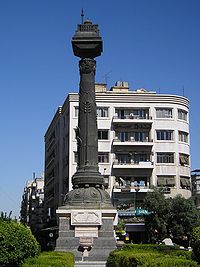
(145, 140)
(88, 28)
(118, 162)
(133, 117)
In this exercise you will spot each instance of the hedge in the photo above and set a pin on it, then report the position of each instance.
(51, 259)
(150, 255)
(195, 242)
(16, 243)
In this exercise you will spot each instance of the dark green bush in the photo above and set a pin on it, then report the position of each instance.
(51, 259)
(150, 255)
(16, 243)
(195, 242)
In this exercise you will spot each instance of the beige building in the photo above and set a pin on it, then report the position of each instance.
(143, 142)
(32, 205)
(195, 177)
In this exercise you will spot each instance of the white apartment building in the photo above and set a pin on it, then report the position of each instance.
(143, 142)
(195, 180)
(32, 204)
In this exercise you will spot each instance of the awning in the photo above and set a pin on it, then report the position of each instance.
(135, 227)
(166, 181)
(185, 182)
(184, 159)
(161, 181)
(170, 181)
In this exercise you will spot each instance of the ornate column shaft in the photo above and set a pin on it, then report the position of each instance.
(87, 126)
(87, 137)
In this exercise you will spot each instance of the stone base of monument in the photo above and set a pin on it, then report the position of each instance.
(87, 233)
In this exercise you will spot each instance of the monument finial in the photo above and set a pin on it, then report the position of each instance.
(82, 16)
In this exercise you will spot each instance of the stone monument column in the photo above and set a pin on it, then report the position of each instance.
(87, 217)
(87, 173)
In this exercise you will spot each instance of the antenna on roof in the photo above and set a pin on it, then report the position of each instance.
(82, 15)
(106, 77)
(159, 90)
(183, 91)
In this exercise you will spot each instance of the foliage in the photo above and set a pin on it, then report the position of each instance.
(16, 243)
(150, 255)
(5, 217)
(195, 242)
(182, 219)
(54, 259)
(156, 223)
(120, 225)
(169, 217)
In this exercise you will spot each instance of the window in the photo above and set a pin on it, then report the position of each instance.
(163, 113)
(140, 136)
(183, 137)
(124, 158)
(141, 157)
(183, 159)
(165, 181)
(123, 136)
(182, 114)
(165, 157)
(132, 113)
(103, 157)
(103, 134)
(164, 135)
(102, 112)
(185, 182)
(76, 111)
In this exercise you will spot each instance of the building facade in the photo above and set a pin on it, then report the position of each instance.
(32, 205)
(143, 142)
(195, 179)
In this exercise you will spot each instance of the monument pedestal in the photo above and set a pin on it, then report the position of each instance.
(87, 233)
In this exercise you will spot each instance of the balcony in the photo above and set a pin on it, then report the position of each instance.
(132, 142)
(132, 119)
(132, 188)
(50, 161)
(50, 144)
(132, 165)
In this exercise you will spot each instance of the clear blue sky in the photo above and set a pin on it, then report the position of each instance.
(149, 43)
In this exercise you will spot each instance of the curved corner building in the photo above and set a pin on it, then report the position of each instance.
(143, 142)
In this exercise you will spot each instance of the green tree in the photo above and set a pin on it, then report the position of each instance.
(169, 217)
(183, 217)
(195, 242)
(16, 243)
(156, 223)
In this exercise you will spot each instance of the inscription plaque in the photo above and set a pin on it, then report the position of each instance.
(86, 231)
(92, 217)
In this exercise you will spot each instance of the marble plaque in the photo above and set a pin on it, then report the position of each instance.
(86, 241)
(86, 231)
(88, 217)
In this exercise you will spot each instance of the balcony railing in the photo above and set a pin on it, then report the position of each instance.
(133, 164)
(132, 117)
(88, 28)
(131, 189)
(132, 139)
(50, 144)
(116, 161)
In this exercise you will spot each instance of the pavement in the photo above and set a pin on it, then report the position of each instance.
(90, 264)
